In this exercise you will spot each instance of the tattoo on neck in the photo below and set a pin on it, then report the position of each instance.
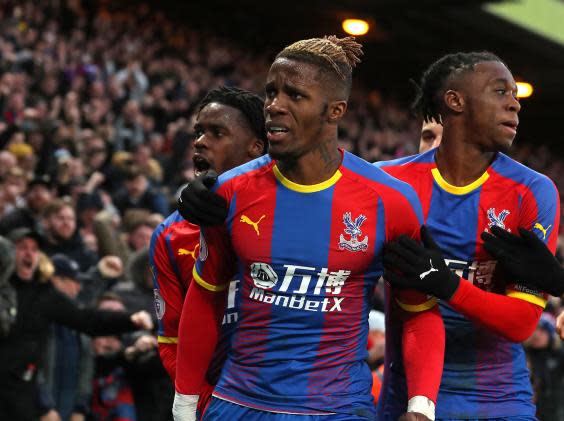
(330, 158)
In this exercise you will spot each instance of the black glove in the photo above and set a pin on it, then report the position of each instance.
(408, 264)
(526, 258)
(199, 205)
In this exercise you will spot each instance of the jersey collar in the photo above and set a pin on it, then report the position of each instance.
(309, 188)
(458, 190)
(303, 188)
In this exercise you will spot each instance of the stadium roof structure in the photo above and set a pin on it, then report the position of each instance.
(407, 35)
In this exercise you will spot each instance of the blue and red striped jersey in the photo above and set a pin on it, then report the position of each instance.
(485, 375)
(308, 257)
(173, 251)
(172, 254)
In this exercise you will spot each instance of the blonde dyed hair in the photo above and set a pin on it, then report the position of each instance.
(341, 54)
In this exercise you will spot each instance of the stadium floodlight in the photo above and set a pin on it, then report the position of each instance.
(524, 90)
(355, 26)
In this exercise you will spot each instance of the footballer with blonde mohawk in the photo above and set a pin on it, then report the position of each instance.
(304, 233)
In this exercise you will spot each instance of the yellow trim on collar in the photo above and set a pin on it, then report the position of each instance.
(167, 339)
(417, 308)
(312, 188)
(541, 302)
(205, 285)
(456, 189)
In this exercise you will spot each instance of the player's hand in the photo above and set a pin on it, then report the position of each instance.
(142, 320)
(408, 264)
(184, 407)
(526, 258)
(413, 416)
(199, 205)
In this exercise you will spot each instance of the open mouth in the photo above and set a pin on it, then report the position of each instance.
(201, 164)
(275, 132)
(27, 264)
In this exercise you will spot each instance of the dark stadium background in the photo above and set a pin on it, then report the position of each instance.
(406, 36)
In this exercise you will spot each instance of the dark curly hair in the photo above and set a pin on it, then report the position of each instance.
(251, 106)
(432, 84)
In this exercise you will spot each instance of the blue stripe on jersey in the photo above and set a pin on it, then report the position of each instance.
(365, 169)
(458, 241)
(374, 271)
(424, 158)
(229, 220)
(303, 342)
(255, 164)
(454, 225)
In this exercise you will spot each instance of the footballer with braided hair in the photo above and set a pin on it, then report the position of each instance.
(304, 233)
(468, 187)
(440, 75)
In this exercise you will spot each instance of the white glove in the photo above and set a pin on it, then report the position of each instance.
(184, 407)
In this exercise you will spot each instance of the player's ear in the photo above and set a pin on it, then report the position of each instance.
(454, 100)
(255, 148)
(336, 110)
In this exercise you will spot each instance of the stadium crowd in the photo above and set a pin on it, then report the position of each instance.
(96, 130)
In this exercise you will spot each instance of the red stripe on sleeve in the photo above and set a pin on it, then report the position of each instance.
(423, 347)
(167, 352)
(512, 318)
(199, 331)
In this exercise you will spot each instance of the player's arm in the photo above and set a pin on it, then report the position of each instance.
(408, 265)
(200, 322)
(169, 297)
(423, 337)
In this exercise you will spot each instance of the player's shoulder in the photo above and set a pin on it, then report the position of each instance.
(423, 158)
(535, 181)
(173, 223)
(375, 178)
(244, 172)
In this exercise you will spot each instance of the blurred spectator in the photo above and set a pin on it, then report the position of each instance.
(88, 205)
(38, 305)
(14, 185)
(546, 361)
(137, 193)
(66, 374)
(129, 128)
(8, 299)
(112, 398)
(134, 371)
(62, 236)
(137, 291)
(39, 194)
(7, 161)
